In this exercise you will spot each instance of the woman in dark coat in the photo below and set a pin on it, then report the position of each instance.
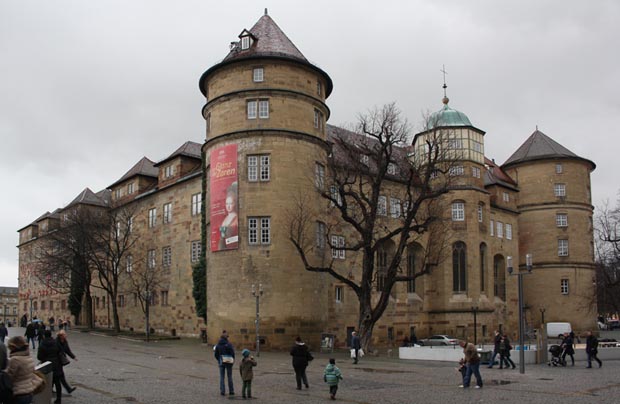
(63, 345)
(49, 351)
(301, 357)
(567, 344)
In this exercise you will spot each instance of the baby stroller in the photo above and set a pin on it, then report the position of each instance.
(556, 356)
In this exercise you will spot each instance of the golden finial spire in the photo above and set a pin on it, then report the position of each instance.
(445, 99)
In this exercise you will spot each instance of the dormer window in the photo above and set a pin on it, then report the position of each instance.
(169, 171)
(245, 42)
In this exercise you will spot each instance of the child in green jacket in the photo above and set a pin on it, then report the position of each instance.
(332, 377)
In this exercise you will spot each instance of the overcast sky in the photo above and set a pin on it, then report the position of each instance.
(89, 88)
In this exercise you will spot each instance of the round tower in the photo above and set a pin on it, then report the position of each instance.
(265, 118)
(555, 226)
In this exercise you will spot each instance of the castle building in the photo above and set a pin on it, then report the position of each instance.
(266, 142)
(8, 303)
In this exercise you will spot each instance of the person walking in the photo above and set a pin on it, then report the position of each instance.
(21, 371)
(31, 334)
(356, 346)
(65, 350)
(567, 345)
(472, 363)
(301, 357)
(225, 355)
(247, 374)
(49, 351)
(332, 377)
(4, 332)
(592, 350)
(504, 353)
(4, 356)
(496, 341)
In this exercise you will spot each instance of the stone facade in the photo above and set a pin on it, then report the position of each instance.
(494, 212)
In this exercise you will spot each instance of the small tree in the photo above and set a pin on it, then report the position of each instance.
(362, 168)
(608, 259)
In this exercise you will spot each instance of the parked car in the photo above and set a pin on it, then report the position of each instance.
(613, 324)
(438, 340)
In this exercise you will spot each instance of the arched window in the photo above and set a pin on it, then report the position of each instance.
(499, 277)
(414, 254)
(381, 268)
(459, 267)
(483, 267)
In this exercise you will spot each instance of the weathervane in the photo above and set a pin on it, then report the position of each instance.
(445, 86)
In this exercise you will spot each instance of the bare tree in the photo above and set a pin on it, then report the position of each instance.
(109, 242)
(608, 259)
(145, 278)
(362, 168)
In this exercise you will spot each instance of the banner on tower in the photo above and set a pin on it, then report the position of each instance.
(224, 195)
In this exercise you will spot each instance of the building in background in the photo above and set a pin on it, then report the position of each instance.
(8, 303)
(266, 137)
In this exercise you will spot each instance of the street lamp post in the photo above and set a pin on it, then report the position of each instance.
(519, 275)
(542, 316)
(257, 294)
(474, 309)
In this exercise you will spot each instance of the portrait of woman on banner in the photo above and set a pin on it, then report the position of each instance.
(229, 229)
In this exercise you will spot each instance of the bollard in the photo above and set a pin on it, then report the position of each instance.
(44, 397)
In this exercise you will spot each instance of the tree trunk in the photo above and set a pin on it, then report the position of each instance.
(87, 309)
(115, 317)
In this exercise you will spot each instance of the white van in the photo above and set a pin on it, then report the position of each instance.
(555, 330)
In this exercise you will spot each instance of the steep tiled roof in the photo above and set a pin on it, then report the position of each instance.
(188, 149)
(541, 147)
(269, 41)
(88, 197)
(494, 175)
(144, 167)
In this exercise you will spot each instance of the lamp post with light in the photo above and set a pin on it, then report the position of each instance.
(474, 310)
(519, 274)
(257, 293)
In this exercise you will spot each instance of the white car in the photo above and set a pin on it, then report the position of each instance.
(439, 340)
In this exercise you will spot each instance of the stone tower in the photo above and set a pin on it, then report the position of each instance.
(265, 118)
(555, 226)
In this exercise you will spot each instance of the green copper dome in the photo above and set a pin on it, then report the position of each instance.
(448, 117)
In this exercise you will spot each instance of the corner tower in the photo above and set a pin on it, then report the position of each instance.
(265, 116)
(555, 223)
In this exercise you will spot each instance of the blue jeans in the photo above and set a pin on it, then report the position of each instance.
(33, 339)
(472, 368)
(493, 359)
(226, 368)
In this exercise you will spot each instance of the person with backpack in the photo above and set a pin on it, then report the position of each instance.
(225, 355)
(332, 377)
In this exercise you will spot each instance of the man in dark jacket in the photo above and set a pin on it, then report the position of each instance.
(3, 332)
(301, 356)
(50, 351)
(31, 334)
(356, 346)
(225, 355)
(592, 349)
(496, 342)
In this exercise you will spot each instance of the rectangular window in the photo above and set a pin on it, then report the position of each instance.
(395, 207)
(458, 211)
(117, 194)
(258, 74)
(196, 204)
(559, 189)
(43, 305)
(335, 196)
(130, 224)
(164, 297)
(259, 165)
(559, 169)
(492, 227)
(564, 286)
(121, 300)
(392, 169)
(319, 88)
(455, 143)
(263, 109)
(563, 248)
(151, 259)
(167, 212)
(152, 217)
(476, 146)
(475, 172)
(252, 109)
(318, 119)
(505, 196)
(320, 235)
(319, 176)
(338, 294)
(456, 171)
(130, 188)
(508, 231)
(500, 229)
(245, 42)
(382, 206)
(337, 244)
(166, 257)
(168, 171)
(129, 264)
(561, 220)
(480, 209)
(196, 250)
(259, 230)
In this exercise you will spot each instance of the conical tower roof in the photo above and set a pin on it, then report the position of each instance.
(268, 42)
(541, 147)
